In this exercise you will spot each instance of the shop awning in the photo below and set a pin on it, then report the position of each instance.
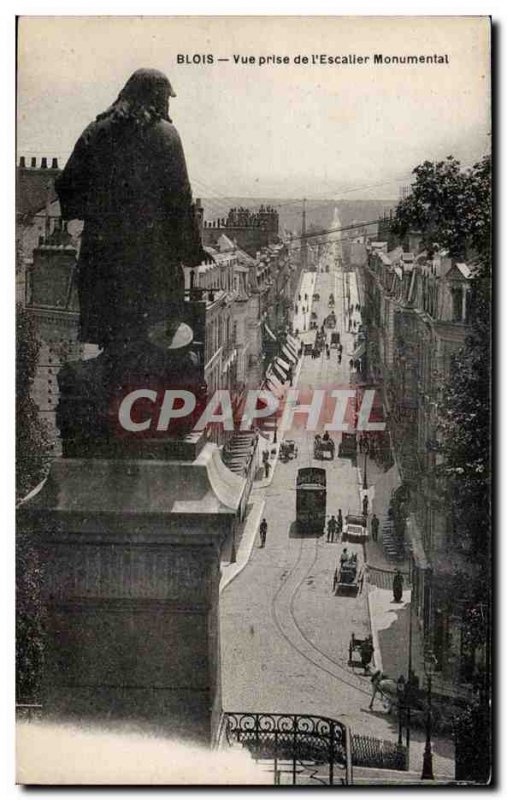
(281, 368)
(289, 354)
(273, 385)
(292, 342)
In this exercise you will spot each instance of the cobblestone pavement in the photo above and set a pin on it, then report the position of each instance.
(285, 635)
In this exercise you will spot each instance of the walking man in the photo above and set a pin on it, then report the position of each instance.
(263, 529)
(374, 527)
(365, 505)
(331, 529)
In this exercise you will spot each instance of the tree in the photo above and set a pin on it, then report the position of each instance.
(33, 444)
(33, 454)
(451, 207)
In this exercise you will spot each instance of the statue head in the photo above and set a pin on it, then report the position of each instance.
(144, 98)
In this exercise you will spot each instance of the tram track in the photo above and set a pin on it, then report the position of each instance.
(332, 667)
(314, 654)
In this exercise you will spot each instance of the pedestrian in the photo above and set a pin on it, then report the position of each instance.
(365, 505)
(289, 376)
(267, 467)
(339, 358)
(331, 529)
(263, 529)
(328, 351)
(344, 556)
(374, 527)
(339, 523)
(351, 363)
(397, 586)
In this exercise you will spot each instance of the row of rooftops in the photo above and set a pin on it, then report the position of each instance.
(436, 286)
(439, 265)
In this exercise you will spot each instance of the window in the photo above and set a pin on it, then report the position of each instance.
(457, 304)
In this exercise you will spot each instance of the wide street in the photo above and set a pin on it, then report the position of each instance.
(285, 634)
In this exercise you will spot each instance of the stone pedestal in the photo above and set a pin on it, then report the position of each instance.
(131, 570)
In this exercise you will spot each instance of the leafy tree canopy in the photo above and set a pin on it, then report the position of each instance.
(450, 206)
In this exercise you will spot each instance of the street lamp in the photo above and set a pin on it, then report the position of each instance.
(275, 434)
(365, 479)
(233, 547)
(427, 770)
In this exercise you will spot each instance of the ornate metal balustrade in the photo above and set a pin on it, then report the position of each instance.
(368, 751)
(307, 747)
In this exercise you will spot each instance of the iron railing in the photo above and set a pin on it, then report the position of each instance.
(383, 578)
(368, 751)
(295, 740)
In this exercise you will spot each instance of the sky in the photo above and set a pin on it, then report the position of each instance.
(283, 130)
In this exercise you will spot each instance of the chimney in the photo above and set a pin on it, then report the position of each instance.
(33, 162)
(22, 162)
(54, 163)
(44, 163)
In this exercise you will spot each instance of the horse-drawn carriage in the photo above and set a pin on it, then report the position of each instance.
(363, 648)
(348, 446)
(307, 349)
(335, 339)
(346, 576)
(330, 321)
(316, 296)
(323, 445)
(288, 450)
(331, 300)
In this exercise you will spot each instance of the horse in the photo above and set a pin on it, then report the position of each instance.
(388, 689)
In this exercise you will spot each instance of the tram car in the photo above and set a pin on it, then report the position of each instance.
(311, 496)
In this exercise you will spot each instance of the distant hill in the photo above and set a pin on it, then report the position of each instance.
(319, 213)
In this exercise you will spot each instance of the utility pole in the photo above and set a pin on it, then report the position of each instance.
(304, 245)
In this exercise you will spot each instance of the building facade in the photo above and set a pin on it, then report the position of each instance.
(416, 311)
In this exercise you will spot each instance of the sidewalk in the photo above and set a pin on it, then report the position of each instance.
(390, 628)
(245, 539)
